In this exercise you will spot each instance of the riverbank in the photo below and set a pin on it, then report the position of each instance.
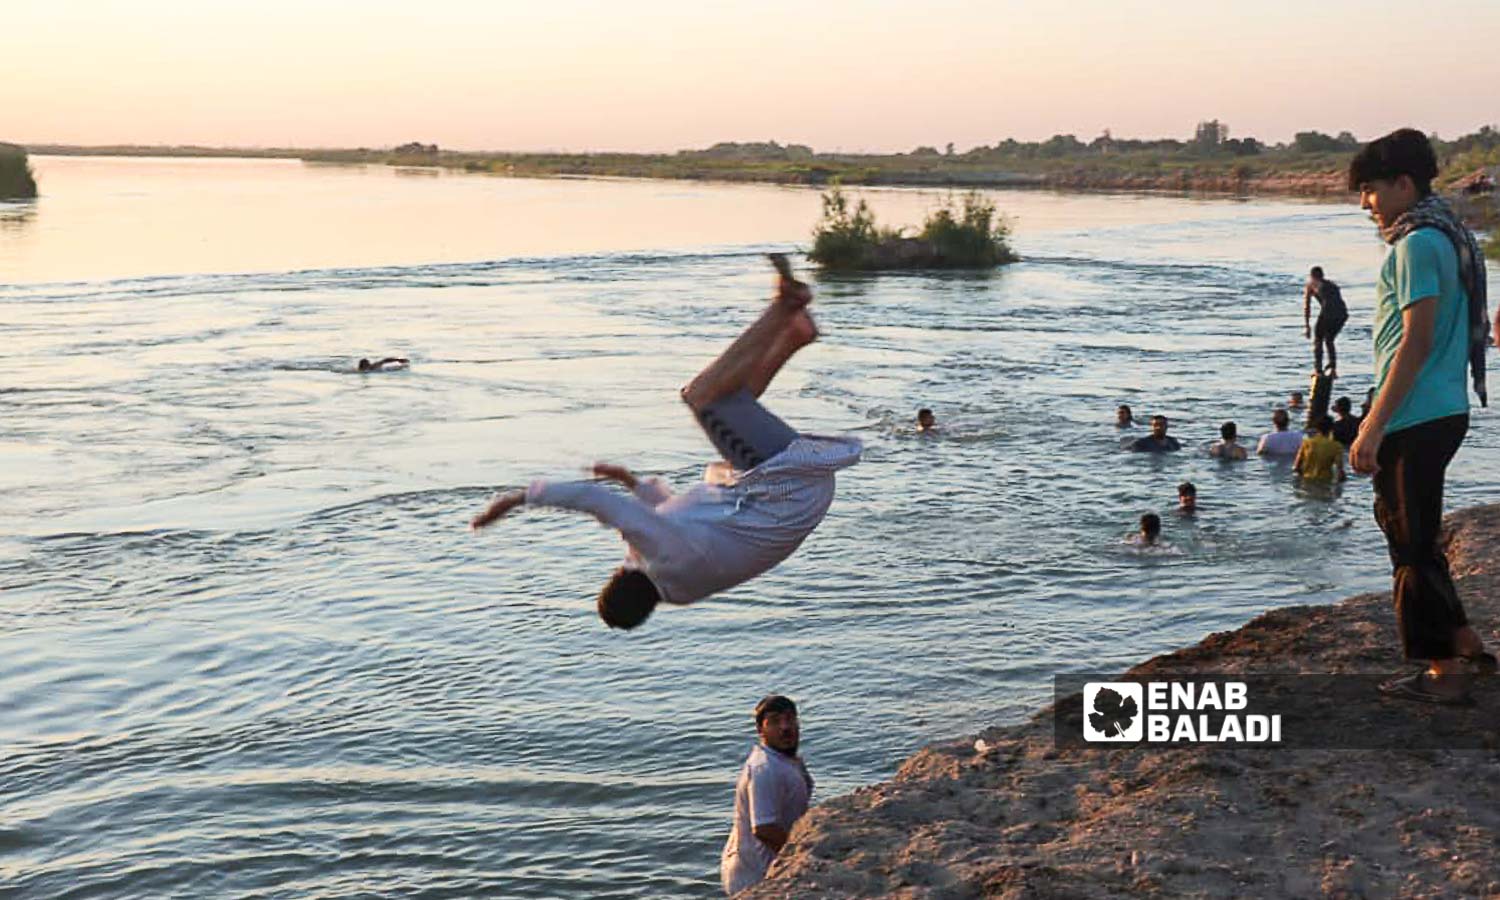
(1275, 173)
(1021, 818)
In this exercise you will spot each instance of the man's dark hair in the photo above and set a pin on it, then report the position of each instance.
(1341, 405)
(1228, 431)
(1160, 416)
(924, 411)
(772, 704)
(1126, 407)
(1317, 272)
(1151, 524)
(1280, 418)
(364, 365)
(1187, 489)
(1405, 151)
(1325, 425)
(627, 599)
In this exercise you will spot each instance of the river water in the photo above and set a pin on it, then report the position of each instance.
(248, 648)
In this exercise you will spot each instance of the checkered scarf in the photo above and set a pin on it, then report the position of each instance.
(1433, 211)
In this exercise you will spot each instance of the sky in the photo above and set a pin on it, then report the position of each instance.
(662, 75)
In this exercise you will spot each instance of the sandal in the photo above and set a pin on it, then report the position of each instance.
(1418, 687)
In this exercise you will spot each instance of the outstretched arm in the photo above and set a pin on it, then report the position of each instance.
(1307, 292)
(497, 509)
(649, 533)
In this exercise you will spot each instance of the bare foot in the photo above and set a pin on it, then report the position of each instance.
(801, 328)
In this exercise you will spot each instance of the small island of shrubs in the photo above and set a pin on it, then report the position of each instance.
(16, 179)
(966, 234)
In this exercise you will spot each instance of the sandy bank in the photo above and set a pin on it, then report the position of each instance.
(1023, 819)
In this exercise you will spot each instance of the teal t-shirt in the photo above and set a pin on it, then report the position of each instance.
(1424, 264)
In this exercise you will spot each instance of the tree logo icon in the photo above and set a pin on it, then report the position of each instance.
(1112, 711)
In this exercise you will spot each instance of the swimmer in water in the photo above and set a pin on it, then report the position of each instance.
(1294, 401)
(1187, 498)
(390, 363)
(1124, 417)
(926, 421)
(1228, 446)
(1150, 532)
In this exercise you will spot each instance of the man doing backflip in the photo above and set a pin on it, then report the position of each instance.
(751, 512)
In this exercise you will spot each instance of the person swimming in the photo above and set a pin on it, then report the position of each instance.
(1158, 441)
(1228, 446)
(1124, 417)
(1187, 498)
(926, 421)
(389, 364)
(1150, 532)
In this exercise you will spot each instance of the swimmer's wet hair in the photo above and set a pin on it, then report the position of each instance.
(1151, 524)
(1229, 431)
(1405, 151)
(771, 705)
(1187, 489)
(627, 599)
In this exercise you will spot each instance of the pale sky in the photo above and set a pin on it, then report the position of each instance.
(643, 75)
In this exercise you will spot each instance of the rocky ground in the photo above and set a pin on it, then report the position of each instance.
(1006, 813)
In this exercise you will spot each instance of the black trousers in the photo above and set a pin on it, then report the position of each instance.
(1409, 509)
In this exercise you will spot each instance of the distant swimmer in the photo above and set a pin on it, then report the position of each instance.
(926, 421)
(1157, 441)
(770, 795)
(1320, 458)
(1150, 532)
(1346, 426)
(1280, 441)
(389, 364)
(752, 511)
(1124, 418)
(1295, 401)
(1227, 447)
(1332, 314)
(1187, 498)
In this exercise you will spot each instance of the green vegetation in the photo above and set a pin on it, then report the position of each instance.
(966, 234)
(16, 179)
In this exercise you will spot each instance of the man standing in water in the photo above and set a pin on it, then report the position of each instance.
(751, 512)
(1430, 326)
(771, 794)
(1332, 314)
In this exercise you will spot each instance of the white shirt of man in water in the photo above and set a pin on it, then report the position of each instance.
(771, 794)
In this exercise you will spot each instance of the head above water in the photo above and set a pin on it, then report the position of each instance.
(627, 599)
(1295, 400)
(1392, 173)
(776, 723)
(365, 366)
(1123, 415)
(1229, 431)
(1280, 419)
(1159, 426)
(1316, 273)
(1150, 526)
(1187, 495)
(925, 419)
